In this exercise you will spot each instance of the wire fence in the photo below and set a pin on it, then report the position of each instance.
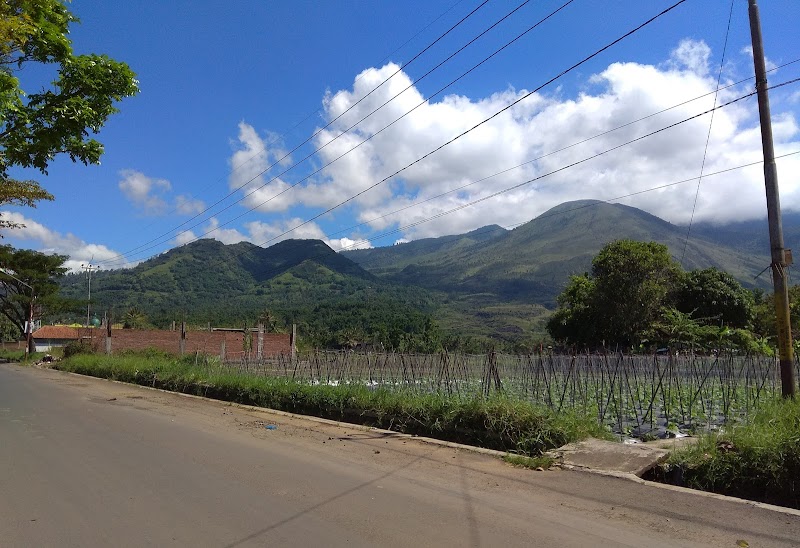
(636, 395)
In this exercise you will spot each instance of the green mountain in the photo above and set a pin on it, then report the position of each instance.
(532, 262)
(502, 280)
(298, 281)
(490, 283)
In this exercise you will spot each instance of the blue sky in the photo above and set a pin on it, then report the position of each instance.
(229, 85)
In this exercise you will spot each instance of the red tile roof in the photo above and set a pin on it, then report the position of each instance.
(57, 332)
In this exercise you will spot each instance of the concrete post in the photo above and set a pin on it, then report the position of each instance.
(260, 345)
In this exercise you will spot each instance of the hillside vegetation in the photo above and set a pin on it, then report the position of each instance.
(488, 286)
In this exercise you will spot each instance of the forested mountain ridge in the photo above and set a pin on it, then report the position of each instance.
(490, 283)
(333, 300)
(533, 261)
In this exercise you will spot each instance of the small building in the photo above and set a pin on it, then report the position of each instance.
(54, 336)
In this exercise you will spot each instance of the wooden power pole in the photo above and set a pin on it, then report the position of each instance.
(780, 261)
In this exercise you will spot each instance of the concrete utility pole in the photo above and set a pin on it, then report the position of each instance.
(778, 253)
(89, 268)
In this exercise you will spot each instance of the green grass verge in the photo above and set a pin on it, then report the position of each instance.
(495, 422)
(19, 355)
(534, 463)
(759, 460)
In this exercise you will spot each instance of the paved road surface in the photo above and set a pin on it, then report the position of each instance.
(85, 462)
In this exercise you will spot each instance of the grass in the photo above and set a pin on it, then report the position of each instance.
(534, 463)
(18, 355)
(495, 422)
(757, 460)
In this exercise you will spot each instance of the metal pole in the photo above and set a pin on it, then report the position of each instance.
(29, 338)
(778, 254)
(89, 268)
(89, 300)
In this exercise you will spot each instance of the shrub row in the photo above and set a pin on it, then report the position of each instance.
(496, 422)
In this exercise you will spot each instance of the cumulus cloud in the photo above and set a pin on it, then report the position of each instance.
(538, 135)
(342, 244)
(151, 195)
(267, 234)
(186, 205)
(53, 242)
(513, 168)
(251, 166)
(146, 193)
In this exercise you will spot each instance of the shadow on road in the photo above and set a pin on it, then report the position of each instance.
(326, 501)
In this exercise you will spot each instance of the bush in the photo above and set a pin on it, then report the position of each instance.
(495, 422)
(759, 460)
(78, 347)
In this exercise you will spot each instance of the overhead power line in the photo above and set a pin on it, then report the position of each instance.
(577, 143)
(582, 141)
(315, 111)
(571, 165)
(708, 135)
(395, 231)
(317, 132)
(507, 107)
(401, 46)
(493, 116)
(398, 230)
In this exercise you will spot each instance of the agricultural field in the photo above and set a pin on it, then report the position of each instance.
(636, 396)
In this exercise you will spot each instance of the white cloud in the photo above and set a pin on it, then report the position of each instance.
(151, 195)
(51, 241)
(542, 125)
(251, 167)
(267, 234)
(542, 134)
(144, 192)
(186, 205)
(224, 235)
(692, 55)
(348, 244)
(748, 51)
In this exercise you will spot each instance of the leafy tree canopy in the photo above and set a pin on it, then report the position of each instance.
(637, 294)
(619, 302)
(35, 127)
(713, 297)
(23, 272)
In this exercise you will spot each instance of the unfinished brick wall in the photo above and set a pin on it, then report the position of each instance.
(208, 342)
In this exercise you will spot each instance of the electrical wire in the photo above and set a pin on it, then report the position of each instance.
(355, 245)
(317, 132)
(419, 202)
(578, 162)
(708, 136)
(507, 107)
(713, 92)
(563, 168)
(479, 124)
(315, 111)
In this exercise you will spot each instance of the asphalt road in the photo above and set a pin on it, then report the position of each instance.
(85, 462)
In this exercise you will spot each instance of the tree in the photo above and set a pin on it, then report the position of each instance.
(619, 303)
(26, 275)
(134, 318)
(268, 320)
(713, 297)
(35, 127)
(573, 322)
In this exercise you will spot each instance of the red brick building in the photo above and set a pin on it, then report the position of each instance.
(219, 342)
